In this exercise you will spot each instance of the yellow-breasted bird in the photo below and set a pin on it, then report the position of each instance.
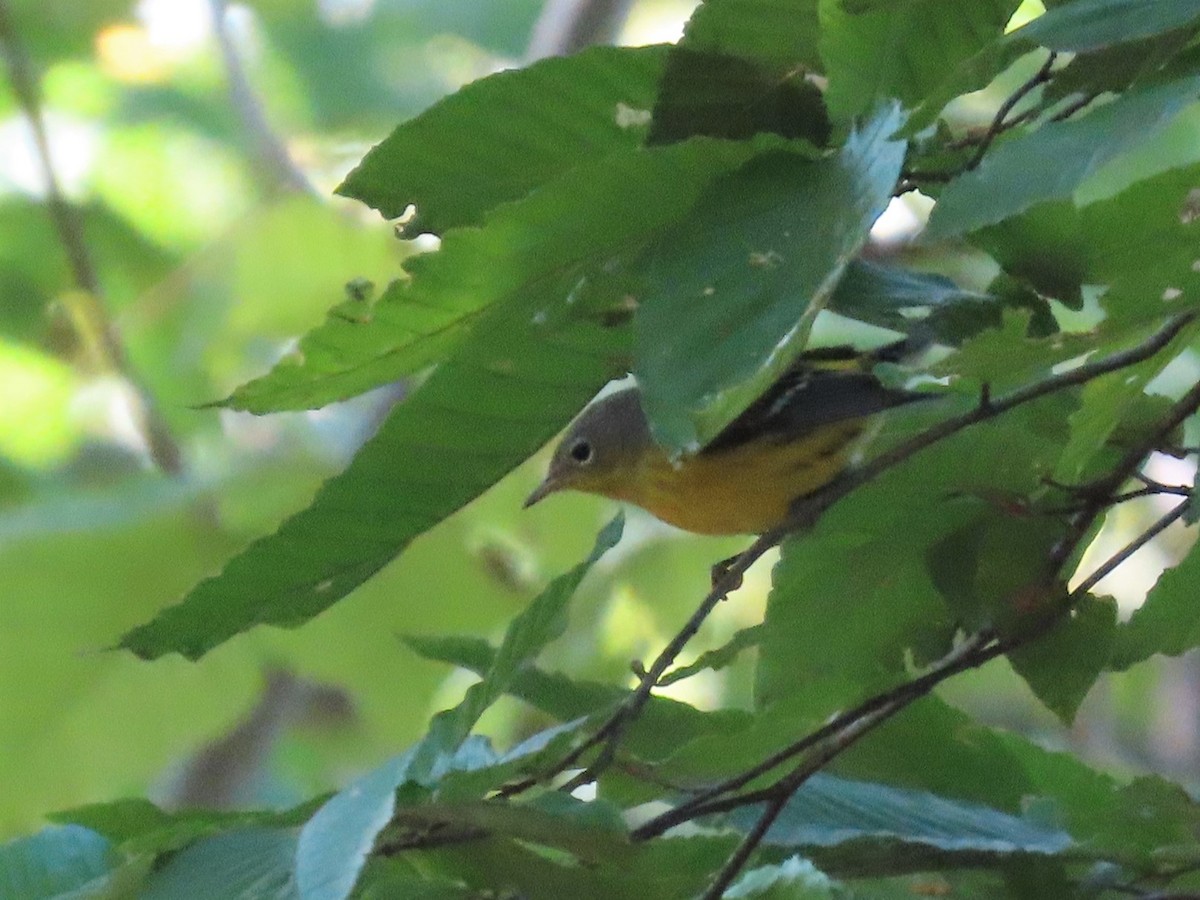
(795, 439)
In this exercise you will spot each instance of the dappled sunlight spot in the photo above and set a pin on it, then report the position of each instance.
(36, 427)
(1131, 582)
(126, 54)
(73, 142)
(109, 409)
(656, 23)
(1026, 13)
(176, 28)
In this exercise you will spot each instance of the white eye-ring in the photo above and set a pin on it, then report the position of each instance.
(581, 452)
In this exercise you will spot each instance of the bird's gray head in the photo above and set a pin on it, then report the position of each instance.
(600, 448)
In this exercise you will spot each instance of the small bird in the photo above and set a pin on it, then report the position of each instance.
(794, 440)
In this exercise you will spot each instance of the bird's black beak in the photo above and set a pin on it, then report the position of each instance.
(543, 490)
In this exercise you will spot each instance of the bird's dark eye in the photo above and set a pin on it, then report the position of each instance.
(581, 452)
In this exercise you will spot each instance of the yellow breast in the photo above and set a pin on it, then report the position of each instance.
(742, 490)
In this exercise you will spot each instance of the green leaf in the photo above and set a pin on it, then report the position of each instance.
(246, 864)
(1167, 622)
(56, 863)
(1142, 245)
(1061, 666)
(903, 51)
(1051, 162)
(1092, 24)
(541, 622)
(906, 300)
(715, 660)
(828, 811)
(793, 879)
(992, 568)
(719, 320)
(531, 255)
(706, 93)
(428, 459)
(779, 34)
(500, 137)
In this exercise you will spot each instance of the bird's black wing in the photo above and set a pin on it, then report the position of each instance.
(830, 385)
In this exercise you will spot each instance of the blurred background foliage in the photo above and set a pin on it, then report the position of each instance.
(200, 145)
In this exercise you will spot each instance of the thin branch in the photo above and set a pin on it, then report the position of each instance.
(972, 653)
(164, 450)
(1041, 76)
(1113, 562)
(274, 160)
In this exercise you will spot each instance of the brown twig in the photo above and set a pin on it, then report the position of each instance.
(164, 450)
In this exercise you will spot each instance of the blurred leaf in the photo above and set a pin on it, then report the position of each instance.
(532, 255)
(1061, 666)
(137, 826)
(713, 94)
(1007, 357)
(61, 862)
(828, 811)
(1051, 162)
(1167, 622)
(57, 29)
(36, 425)
(902, 51)
(744, 308)
(1091, 24)
(500, 137)
(780, 34)
(244, 864)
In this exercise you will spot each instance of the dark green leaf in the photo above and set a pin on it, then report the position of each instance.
(902, 51)
(246, 864)
(1061, 666)
(1091, 24)
(500, 137)
(719, 320)
(1051, 162)
(427, 460)
(704, 93)
(54, 863)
